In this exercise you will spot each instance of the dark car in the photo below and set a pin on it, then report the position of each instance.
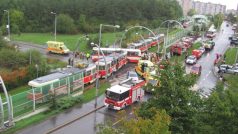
(196, 69)
(234, 41)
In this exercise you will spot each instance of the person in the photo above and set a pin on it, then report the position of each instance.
(69, 61)
(142, 67)
(87, 56)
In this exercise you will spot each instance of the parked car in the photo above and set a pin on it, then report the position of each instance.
(202, 49)
(196, 69)
(233, 70)
(224, 67)
(132, 75)
(191, 60)
(208, 45)
(234, 41)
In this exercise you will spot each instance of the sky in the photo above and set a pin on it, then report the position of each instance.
(230, 4)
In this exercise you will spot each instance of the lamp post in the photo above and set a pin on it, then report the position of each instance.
(37, 69)
(8, 24)
(140, 27)
(55, 22)
(77, 45)
(100, 31)
(97, 80)
(141, 37)
(167, 33)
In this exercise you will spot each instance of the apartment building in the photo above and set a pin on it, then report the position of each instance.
(208, 8)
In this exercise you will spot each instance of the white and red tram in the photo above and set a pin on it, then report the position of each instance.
(90, 74)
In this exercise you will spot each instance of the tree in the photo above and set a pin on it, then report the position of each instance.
(159, 124)
(174, 96)
(191, 12)
(65, 24)
(219, 114)
(217, 20)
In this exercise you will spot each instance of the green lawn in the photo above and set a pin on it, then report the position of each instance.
(69, 40)
(90, 94)
(231, 55)
(231, 80)
(16, 90)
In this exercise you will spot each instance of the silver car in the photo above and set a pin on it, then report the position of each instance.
(191, 59)
(233, 70)
(132, 75)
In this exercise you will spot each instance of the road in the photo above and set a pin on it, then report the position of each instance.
(88, 124)
(207, 80)
(24, 46)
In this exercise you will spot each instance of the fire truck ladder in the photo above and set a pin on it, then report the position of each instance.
(5, 122)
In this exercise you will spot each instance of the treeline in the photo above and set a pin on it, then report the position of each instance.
(85, 15)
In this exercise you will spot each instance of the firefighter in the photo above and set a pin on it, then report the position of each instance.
(87, 56)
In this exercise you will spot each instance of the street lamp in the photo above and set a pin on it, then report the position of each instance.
(8, 24)
(141, 37)
(77, 45)
(140, 27)
(97, 80)
(167, 35)
(55, 22)
(100, 31)
(37, 70)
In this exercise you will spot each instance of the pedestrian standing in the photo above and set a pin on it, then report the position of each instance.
(87, 56)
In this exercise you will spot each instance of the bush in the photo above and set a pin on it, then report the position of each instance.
(65, 102)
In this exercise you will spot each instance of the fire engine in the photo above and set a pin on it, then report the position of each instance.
(125, 93)
(179, 48)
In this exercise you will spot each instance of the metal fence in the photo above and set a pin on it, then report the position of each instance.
(32, 99)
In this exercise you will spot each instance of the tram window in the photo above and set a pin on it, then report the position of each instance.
(101, 67)
(88, 73)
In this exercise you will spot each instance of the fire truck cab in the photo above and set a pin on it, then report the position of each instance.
(124, 94)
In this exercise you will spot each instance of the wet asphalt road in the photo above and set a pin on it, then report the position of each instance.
(24, 46)
(208, 80)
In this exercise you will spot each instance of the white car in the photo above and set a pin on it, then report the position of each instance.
(132, 75)
(191, 60)
(202, 49)
(233, 70)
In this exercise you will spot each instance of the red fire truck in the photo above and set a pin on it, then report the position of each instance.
(178, 48)
(124, 94)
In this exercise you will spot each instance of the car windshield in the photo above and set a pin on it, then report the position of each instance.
(133, 75)
(113, 95)
(191, 58)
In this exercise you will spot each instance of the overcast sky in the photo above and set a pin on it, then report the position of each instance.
(230, 4)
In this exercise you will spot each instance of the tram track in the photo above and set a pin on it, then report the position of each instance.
(74, 120)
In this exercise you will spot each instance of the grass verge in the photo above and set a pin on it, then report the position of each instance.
(231, 55)
(86, 97)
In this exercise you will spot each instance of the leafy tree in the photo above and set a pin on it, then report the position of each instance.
(65, 24)
(174, 96)
(159, 124)
(191, 12)
(217, 20)
(219, 114)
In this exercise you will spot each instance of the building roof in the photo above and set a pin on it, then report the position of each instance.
(47, 79)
